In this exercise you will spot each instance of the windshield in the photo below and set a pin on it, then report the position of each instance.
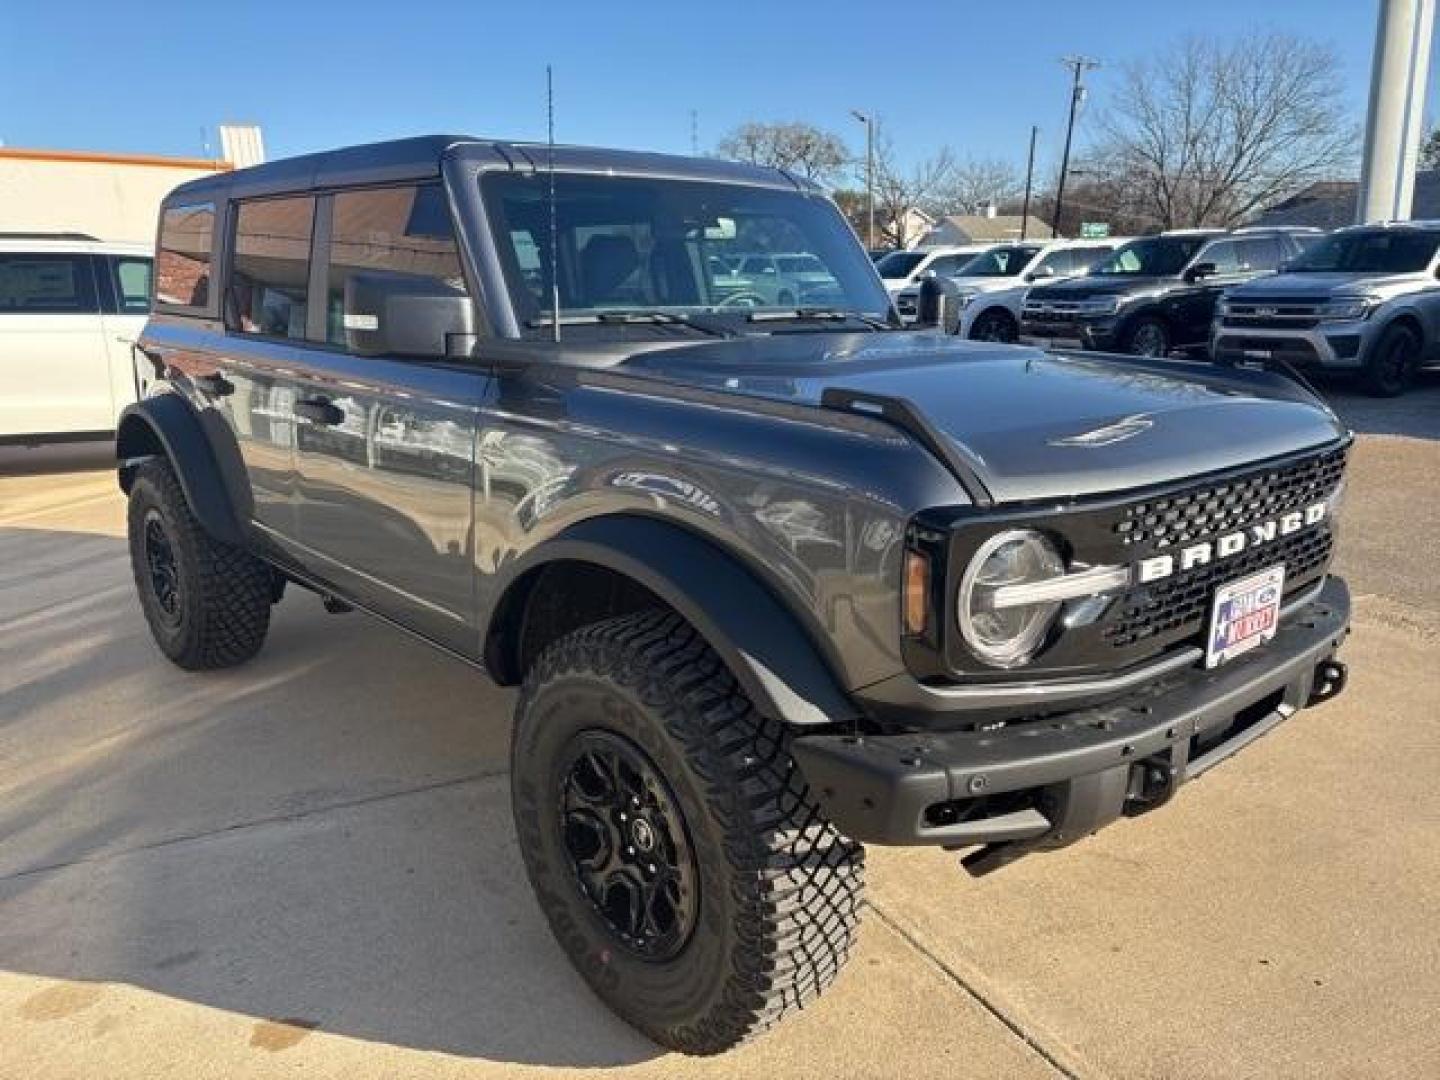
(899, 264)
(1379, 252)
(679, 246)
(1157, 256)
(998, 262)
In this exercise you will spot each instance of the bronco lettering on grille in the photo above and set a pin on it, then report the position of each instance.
(1162, 566)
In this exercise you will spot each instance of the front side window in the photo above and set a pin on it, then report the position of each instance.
(653, 244)
(43, 284)
(130, 282)
(1386, 251)
(182, 272)
(270, 272)
(401, 230)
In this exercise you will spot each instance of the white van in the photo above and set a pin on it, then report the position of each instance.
(71, 307)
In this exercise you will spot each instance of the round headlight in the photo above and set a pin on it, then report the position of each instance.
(1000, 633)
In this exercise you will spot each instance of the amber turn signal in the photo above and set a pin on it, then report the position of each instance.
(917, 592)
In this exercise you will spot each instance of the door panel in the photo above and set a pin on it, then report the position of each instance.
(244, 393)
(54, 369)
(385, 452)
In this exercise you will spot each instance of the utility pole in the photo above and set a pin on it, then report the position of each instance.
(1397, 100)
(869, 121)
(1029, 177)
(1078, 65)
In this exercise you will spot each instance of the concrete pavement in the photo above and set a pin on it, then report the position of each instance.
(306, 866)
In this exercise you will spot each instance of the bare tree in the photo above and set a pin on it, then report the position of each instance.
(1210, 131)
(801, 148)
(977, 183)
(1430, 150)
(899, 191)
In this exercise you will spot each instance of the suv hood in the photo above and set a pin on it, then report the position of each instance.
(1032, 425)
(1322, 285)
(1087, 286)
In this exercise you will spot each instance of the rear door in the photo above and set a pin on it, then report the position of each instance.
(54, 373)
(238, 383)
(124, 282)
(385, 445)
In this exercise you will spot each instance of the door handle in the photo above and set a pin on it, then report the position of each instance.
(213, 384)
(319, 410)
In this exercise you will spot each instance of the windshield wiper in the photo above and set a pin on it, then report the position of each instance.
(635, 318)
(818, 315)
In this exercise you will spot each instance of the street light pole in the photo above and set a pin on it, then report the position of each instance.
(869, 123)
(1029, 176)
(1078, 65)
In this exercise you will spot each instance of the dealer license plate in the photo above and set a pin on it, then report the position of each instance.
(1245, 615)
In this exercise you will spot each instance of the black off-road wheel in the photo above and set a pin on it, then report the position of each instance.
(1391, 366)
(207, 603)
(1148, 337)
(671, 842)
(997, 324)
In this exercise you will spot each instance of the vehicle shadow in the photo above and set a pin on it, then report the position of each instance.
(1415, 415)
(321, 838)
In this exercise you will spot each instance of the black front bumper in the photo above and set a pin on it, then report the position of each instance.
(1048, 782)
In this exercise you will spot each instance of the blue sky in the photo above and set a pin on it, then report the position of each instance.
(147, 77)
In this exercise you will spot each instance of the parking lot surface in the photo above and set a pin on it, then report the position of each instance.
(306, 865)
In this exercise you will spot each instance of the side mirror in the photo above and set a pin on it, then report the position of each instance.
(1040, 272)
(939, 304)
(406, 315)
(1200, 271)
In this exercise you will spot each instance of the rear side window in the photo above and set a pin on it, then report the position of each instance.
(401, 230)
(42, 284)
(182, 274)
(270, 273)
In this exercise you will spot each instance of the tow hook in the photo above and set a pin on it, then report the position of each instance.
(1330, 679)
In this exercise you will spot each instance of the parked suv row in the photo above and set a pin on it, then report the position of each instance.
(1155, 294)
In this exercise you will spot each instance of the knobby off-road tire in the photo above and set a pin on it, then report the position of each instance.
(764, 895)
(207, 603)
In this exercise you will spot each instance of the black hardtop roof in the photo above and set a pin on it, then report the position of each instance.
(420, 158)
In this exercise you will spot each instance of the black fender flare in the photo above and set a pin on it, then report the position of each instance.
(776, 661)
(167, 424)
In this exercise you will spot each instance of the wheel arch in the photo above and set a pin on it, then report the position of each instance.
(776, 660)
(166, 426)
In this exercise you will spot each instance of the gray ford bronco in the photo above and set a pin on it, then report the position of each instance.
(775, 581)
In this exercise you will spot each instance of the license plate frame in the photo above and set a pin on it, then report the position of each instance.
(1244, 614)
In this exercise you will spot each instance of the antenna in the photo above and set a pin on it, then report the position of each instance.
(694, 133)
(554, 227)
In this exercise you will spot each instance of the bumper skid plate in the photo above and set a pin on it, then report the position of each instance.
(1044, 783)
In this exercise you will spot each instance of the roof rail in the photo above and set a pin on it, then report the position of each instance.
(48, 236)
(1277, 228)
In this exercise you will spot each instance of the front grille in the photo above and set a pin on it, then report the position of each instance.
(1177, 606)
(1216, 509)
(1183, 602)
(1257, 322)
